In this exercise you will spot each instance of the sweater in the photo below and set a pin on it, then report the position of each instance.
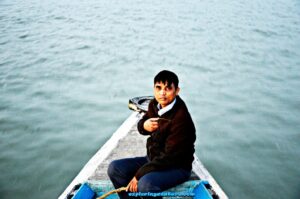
(172, 144)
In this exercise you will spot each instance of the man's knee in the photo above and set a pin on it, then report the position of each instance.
(112, 168)
(147, 185)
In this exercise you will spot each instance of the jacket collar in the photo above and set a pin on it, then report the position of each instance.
(162, 111)
(171, 111)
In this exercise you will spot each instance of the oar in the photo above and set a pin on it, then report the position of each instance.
(111, 192)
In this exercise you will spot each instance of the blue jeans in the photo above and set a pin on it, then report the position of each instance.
(122, 171)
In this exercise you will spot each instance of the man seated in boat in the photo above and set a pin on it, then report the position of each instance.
(170, 146)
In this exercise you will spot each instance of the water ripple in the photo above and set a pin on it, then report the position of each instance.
(66, 68)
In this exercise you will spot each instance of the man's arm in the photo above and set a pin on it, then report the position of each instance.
(148, 123)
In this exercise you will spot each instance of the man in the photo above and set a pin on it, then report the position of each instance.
(170, 147)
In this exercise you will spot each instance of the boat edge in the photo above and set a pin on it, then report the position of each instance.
(102, 153)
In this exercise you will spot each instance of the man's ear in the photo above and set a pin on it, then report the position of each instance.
(177, 90)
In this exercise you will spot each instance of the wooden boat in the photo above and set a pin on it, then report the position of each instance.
(93, 175)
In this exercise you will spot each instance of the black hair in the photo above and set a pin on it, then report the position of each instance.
(167, 77)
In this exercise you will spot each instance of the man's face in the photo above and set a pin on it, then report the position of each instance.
(165, 94)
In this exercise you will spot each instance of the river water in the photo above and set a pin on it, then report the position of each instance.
(68, 68)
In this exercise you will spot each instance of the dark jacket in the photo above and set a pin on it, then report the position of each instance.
(172, 145)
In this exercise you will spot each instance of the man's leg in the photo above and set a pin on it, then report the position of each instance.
(122, 171)
(159, 181)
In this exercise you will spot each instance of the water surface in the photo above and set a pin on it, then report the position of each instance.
(68, 68)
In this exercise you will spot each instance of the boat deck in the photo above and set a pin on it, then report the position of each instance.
(127, 142)
(132, 145)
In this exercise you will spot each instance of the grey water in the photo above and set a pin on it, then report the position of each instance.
(68, 68)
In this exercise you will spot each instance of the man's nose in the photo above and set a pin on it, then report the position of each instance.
(162, 92)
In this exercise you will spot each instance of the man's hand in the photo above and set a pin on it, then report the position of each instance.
(151, 124)
(133, 185)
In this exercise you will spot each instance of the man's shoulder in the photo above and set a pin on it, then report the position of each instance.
(181, 104)
(181, 108)
(151, 106)
(152, 103)
(182, 115)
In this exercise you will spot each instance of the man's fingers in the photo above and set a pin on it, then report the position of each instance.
(154, 124)
(132, 188)
(127, 188)
(135, 188)
(151, 124)
(155, 119)
(154, 127)
(132, 185)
